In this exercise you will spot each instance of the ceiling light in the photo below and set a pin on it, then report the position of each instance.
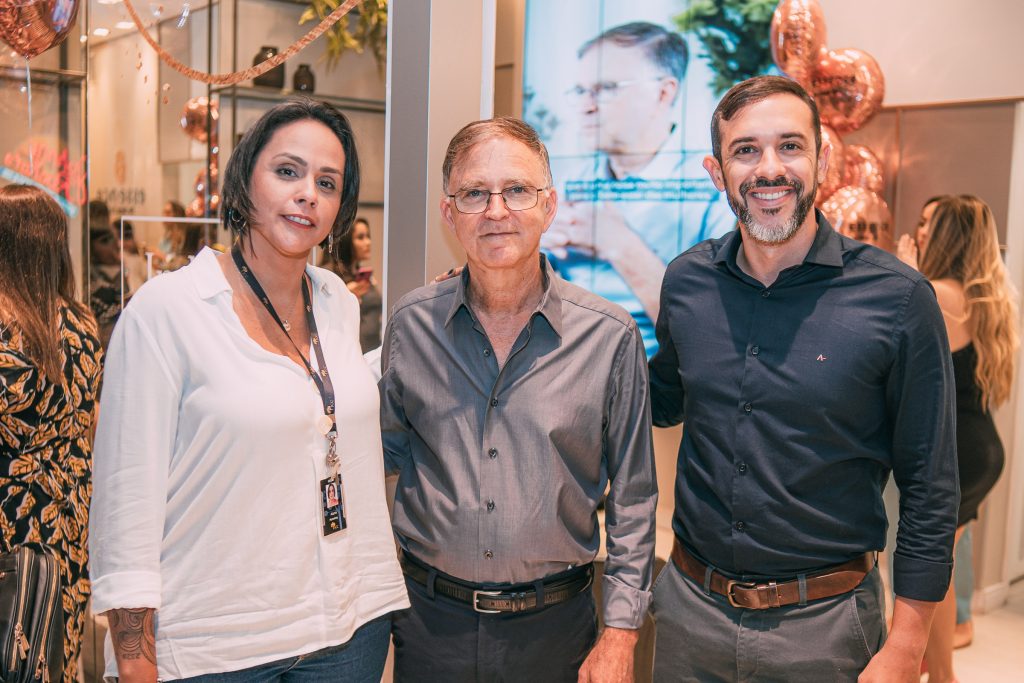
(101, 32)
(108, 2)
(124, 25)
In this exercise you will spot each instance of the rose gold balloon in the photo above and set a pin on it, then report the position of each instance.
(197, 208)
(863, 169)
(836, 161)
(860, 214)
(848, 86)
(200, 182)
(797, 36)
(32, 27)
(193, 118)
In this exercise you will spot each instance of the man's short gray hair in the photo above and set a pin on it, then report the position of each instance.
(502, 126)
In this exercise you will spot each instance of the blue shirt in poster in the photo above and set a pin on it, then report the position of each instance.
(672, 205)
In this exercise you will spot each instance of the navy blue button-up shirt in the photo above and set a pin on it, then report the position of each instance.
(798, 400)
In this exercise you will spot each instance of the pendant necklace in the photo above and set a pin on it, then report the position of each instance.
(326, 422)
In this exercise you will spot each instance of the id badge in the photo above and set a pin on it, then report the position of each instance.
(332, 505)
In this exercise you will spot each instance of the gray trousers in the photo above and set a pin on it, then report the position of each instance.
(702, 638)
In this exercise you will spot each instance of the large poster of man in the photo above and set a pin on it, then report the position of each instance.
(623, 100)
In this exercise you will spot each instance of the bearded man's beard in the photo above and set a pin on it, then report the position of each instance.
(780, 231)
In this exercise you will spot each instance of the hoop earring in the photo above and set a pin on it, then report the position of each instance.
(238, 223)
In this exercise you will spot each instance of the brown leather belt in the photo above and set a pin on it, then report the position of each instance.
(836, 580)
(494, 599)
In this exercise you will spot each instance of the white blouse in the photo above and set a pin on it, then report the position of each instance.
(207, 467)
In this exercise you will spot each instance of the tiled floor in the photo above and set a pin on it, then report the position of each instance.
(997, 653)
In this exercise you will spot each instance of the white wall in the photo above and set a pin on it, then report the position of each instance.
(935, 50)
(123, 100)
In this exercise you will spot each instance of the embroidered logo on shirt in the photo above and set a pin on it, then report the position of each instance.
(821, 358)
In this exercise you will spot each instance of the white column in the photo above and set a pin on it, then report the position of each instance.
(440, 77)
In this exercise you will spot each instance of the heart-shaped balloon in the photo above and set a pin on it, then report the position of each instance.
(863, 169)
(836, 162)
(848, 87)
(860, 214)
(32, 27)
(797, 37)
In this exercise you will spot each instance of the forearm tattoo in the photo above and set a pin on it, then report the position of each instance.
(132, 633)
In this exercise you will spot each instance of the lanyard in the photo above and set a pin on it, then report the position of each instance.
(328, 425)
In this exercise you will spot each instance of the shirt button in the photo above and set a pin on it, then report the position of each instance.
(490, 506)
(494, 402)
(488, 554)
(754, 350)
(740, 526)
(487, 352)
(493, 452)
(747, 407)
(742, 468)
(766, 293)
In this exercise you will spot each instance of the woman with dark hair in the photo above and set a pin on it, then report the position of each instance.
(49, 376)
(959, 254)
(239, 527)
(354, 250)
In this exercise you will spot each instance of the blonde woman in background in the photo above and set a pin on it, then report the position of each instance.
(959, 254)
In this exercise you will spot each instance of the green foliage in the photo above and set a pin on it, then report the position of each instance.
(735, 36)
(366, 27)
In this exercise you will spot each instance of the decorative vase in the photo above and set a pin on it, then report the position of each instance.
(273, 78)
(303, 80)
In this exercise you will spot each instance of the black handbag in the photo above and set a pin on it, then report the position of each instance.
(31, 616)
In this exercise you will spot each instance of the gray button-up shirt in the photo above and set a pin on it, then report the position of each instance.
(501, 469)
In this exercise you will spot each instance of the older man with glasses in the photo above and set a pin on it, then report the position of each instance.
(511, 401)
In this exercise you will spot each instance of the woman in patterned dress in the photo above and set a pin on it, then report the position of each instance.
(49, 378)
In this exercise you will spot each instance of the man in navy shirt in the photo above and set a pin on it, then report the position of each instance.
(805, 367)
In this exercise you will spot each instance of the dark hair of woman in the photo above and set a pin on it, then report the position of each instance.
(346, 250)
(236, 202)
(35, 272)
(176, 208)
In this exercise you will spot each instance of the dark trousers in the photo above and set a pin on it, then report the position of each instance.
(701, 638)
(438, 639)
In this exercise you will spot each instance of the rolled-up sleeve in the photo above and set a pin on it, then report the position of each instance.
(134, 442)
(921, 403)
(633, 492)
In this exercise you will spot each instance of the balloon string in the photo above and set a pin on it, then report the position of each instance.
(28, 89)
(255, 70)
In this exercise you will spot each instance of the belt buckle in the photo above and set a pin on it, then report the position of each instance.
(742, 584)
(476, 604)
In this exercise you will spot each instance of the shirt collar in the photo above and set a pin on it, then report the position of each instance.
(826, 250)
(664, 164)
(207, 274)
(550, 305)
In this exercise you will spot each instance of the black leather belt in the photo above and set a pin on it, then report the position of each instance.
(500, 598)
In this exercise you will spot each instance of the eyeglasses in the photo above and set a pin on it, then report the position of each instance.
(516, 198)
(602, 92)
